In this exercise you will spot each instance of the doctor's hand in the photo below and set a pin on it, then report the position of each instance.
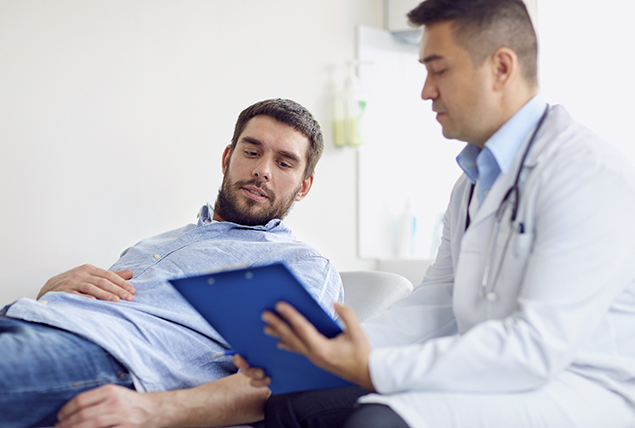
(92, 282)
(345, 355)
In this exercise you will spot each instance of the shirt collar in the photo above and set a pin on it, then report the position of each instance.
(506, 141)
(206, 216)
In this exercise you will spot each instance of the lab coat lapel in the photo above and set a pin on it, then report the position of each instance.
(496, 194)
(554, 126)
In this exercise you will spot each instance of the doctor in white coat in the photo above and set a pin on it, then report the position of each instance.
(527, 316)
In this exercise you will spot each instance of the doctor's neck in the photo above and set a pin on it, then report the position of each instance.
(506, 105)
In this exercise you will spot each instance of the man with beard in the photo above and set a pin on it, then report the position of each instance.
(136, 332)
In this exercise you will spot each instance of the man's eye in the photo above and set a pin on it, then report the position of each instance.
(284, 164)
(438, 72)
(250, 153)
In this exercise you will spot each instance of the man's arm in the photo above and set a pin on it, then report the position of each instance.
(93, 282)
(227, 401)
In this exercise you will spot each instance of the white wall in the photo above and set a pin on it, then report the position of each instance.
(114, 114)
(587, 64)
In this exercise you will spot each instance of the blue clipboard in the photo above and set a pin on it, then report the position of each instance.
(232, 302)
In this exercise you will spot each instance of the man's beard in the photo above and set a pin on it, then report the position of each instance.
(229, 209)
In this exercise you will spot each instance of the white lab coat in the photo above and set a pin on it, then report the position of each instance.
(565, 296)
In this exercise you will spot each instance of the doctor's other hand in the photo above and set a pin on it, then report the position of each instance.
(111, 406)
(92, 282)
(256, 375)
(345, 355)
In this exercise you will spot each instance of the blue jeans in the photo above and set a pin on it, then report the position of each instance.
(42, 368)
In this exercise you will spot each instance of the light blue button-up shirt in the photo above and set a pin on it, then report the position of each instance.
(484, 166)
(158, 336)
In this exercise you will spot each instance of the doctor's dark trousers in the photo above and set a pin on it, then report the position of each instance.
(328, 408)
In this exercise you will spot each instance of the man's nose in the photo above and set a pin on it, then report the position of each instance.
(263, 170)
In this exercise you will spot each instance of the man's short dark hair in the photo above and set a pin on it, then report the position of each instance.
(293, 114)
(482, 26)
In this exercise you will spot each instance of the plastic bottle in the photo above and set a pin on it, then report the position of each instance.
(348, 111)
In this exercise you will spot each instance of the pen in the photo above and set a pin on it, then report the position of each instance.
(222, 354)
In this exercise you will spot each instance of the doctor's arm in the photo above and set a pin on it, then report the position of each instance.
(227, 401)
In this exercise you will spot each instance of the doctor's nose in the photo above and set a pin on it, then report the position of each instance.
(429, 90)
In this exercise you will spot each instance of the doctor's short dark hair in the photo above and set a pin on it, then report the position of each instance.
(483, 26)
(293, 114)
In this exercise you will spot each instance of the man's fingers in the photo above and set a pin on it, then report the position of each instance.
(240, 362)
(97, 408)
(117, 278)
(88, 296)
(81, 402)
(111, 282)
(244, 367)
(93, 281)
(111, 287)
(121, 278)
(256, 375)
(87, 289)
(124, 289)
(124, 274)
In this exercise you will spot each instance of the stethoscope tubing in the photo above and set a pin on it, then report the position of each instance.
(488, 291)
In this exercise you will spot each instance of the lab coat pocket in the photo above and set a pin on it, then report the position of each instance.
(512, 273)
(523, 244)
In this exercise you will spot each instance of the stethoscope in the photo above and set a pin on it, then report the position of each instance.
(511, 200)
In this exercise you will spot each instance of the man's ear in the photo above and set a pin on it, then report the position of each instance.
(504, 66)
(304, 188)
(226, 156)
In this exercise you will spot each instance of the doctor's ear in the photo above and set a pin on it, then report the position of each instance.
(504, 63)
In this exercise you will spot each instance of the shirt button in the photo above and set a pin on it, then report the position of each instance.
(485, 193)
(157, 256)
(44, 302)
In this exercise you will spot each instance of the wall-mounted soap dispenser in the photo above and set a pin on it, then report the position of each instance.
(348, 110)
